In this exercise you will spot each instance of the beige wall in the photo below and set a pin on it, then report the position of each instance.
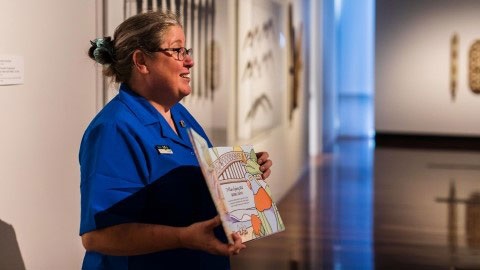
(41, 125)
(412, 68)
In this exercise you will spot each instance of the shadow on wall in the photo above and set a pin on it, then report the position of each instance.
(10, 256)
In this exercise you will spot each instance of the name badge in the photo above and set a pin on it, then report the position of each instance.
(163, 149)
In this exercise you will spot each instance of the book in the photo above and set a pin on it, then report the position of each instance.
(242, 198)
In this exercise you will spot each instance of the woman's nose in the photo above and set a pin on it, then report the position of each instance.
(188, 61)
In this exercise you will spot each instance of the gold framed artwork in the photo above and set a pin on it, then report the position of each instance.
(474, 67)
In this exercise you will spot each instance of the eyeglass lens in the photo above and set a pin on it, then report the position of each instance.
(183, 52)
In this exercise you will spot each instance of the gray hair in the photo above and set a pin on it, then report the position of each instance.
(144, 31)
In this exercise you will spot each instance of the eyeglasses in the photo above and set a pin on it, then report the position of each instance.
(182, 52)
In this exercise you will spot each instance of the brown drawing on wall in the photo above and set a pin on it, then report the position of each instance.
(474, 67)
(259, 33)
(252, 69)
(261, 101)
(254, 66)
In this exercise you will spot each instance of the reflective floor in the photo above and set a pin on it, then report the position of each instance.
(363, 207)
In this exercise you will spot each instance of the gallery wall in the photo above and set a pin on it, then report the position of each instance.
(420, 87)
(42, 121)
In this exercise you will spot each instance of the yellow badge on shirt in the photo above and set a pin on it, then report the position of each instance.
(163, 149)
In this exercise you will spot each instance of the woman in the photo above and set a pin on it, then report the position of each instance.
(144, 202)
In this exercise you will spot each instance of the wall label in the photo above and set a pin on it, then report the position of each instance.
(11, 70)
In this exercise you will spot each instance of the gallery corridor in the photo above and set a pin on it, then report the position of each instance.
(366, 207)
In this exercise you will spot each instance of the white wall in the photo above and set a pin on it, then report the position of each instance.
(41, 126)
(413, 67)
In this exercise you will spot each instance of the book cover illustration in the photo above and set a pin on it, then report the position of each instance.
(242, 198)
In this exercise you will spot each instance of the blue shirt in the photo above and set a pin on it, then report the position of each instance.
(135, 168)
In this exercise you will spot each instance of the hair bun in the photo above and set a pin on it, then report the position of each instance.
(102, 50)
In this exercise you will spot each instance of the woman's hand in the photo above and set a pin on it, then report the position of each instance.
(265, 164)
(130, 239)
(200, 236)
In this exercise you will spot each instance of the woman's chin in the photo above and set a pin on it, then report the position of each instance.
(186, 92)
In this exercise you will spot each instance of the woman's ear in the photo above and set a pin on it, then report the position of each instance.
(139, 62)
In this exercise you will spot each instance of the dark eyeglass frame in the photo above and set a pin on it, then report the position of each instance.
(182, 52)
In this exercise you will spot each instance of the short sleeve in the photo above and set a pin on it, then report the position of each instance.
(113, 172)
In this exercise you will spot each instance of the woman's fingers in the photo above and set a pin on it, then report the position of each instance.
(237, 245)
(265, 164)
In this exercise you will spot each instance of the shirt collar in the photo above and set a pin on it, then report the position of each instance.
(147, 115)
(139, 106)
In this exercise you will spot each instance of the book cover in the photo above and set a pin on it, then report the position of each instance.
(242, 198)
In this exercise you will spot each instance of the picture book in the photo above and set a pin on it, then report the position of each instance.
(242, 198)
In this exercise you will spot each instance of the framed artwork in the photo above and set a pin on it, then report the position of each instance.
(261, 72)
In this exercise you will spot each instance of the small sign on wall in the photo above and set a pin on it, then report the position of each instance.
(11, 70)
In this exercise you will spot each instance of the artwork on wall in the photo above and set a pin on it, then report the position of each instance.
(262, 71)
(296, 64)
(474, 67)
(199, 27)
(453, 65)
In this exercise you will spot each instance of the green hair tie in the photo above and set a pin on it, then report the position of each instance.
(102, 46)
